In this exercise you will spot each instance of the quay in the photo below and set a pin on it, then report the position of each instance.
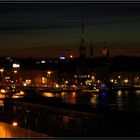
(60, 119)
(10, 131)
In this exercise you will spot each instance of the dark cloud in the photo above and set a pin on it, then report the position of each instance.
(48, 28)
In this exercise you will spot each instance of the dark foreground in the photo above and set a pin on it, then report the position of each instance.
(56, 118)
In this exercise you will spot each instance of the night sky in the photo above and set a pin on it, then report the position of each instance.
(54, 29)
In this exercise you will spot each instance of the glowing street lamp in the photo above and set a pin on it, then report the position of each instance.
(49, 76)
(71, 56)
(49, 72)
(119, 76)
(15, 123)
(1, 70)
(15, 71)
(126, 80)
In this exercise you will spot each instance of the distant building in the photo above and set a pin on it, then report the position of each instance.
(125, 78)
(82, 48)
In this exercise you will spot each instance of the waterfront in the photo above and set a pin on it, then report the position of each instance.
(97, 114)
(122, 100)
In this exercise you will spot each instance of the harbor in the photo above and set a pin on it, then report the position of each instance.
(68, 114)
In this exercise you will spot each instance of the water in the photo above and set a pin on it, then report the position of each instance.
(59, 122)
(117, 100)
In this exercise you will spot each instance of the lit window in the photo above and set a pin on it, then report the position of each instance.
(44, 80)
(28, 82)
(43, 61)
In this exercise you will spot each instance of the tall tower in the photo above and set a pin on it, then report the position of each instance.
(82, 48)
(105, 50)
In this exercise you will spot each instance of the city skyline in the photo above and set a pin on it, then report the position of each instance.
(54, 29)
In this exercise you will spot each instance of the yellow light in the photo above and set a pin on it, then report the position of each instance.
(16, 96)
(48, 94)
(2, 96)
(97, 90)
(56, 85)
(22, 92)
(28, 82)
(92, 77)
(49, 72)
(3, 91)
(1, 70)
(7, 78)
(15, 124)
(73, 94)
(66, 82)
(138, 92)
(62, 94)
(98, 81)
(119, 93)
(15, 71)
(126, 80)
(44, 79)
(1, 103)
(71, 56)
(112, 80)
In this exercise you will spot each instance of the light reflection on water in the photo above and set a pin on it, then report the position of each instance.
(1, 103)
(69, 97)
(48, 94)
(94, 100)
(138, 92)
(119, 100)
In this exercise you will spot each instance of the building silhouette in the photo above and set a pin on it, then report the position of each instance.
(82, 48)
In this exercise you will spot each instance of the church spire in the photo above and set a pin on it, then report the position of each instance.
(82, 48)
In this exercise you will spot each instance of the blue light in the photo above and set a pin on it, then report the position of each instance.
(103, 93)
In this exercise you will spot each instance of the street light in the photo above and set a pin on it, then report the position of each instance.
(1, 71)
(49, 72)
(49, 75)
